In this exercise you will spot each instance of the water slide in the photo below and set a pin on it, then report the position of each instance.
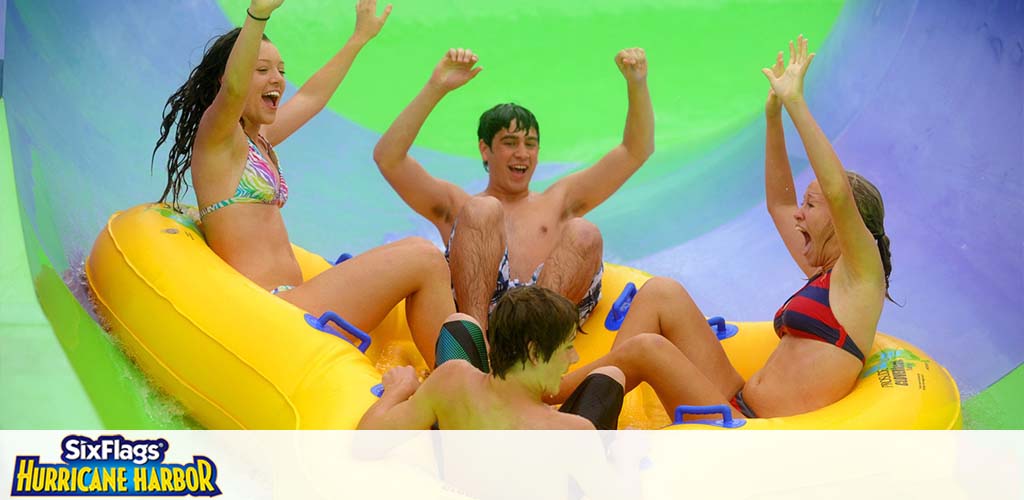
(925, 98)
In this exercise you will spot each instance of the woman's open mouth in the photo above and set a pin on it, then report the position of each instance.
(271, 98)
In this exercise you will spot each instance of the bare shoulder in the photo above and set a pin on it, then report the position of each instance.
(569, 192)
(445, 382)
(557, 190)
(453, 373)
(459, 197)
(454, 366)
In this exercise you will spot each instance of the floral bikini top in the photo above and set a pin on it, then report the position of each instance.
(260, 183)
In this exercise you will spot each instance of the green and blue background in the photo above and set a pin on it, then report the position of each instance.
(925, 98)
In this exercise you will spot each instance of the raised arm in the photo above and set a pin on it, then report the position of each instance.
(220, 120)
(780, 193)
(587, 188)
(317, 91)
(400, 407)
(858, 247)
(430, 197)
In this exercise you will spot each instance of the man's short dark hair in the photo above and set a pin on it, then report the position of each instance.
(525, 315)
(501, 116)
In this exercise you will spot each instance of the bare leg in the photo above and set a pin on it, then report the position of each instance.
(366, 287)
(574, 261)
(664, 307)
(611, 371)
(475, 254)
(653, 359)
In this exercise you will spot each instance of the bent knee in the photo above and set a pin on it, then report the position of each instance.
(614, 372)
(461, 317)
(583, 233)
(417, 243)
(481, 211)
(424, 248)
(425, 252)
(645, 345)
(660, 286)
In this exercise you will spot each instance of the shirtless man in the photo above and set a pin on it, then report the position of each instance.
(531, 339)
(509, 236)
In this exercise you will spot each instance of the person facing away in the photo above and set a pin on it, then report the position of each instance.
(531, 348)
(227, 117)
(508, 235)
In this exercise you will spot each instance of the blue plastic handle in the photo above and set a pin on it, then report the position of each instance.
(620, 308)
(725, 410)
(342, 258)
(332, 317)
(721, 329)
(377, 390)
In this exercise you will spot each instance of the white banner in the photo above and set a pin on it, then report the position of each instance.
(514, 465)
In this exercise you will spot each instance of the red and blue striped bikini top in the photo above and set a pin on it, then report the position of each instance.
(808, 314)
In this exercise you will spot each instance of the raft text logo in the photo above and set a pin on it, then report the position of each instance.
(113, 466)
(891, 367)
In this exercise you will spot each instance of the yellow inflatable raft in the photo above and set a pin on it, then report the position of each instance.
(238, 357)
(899, 388)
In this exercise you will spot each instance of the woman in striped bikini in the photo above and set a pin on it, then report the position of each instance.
(836, 237)
(227, 124)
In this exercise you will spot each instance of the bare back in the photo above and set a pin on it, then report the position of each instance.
(462, 397)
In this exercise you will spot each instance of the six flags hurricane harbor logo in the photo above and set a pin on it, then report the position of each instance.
(113, 466)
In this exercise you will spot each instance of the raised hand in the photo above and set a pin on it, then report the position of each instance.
(790, 84)
(368, 23)
(633, 64)
(455, 69)
(773, 107)
(263, 8)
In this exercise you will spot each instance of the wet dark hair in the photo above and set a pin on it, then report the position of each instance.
(501, 116)
(525, 316)
(186, 106)
(872, 211)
